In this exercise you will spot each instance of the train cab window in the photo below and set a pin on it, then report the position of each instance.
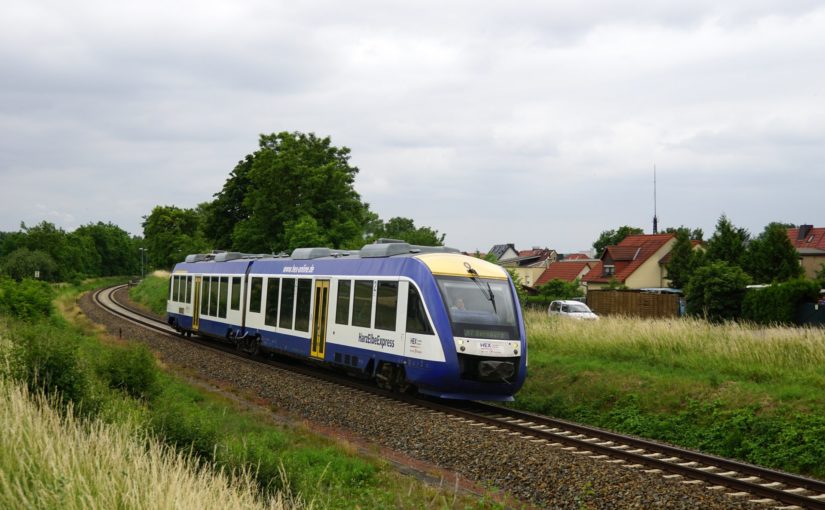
(188, 289)
(287, 303)
(256, 288)
(362, 304)
(224, 291)
(235, 303)
(214, 295)
(342, 307)
(205, 295)
(171, 288)
(417, 321)
(181, 289)
(386, 305)
(302, 304)
(273, 286)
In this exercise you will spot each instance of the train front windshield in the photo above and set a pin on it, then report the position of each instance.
(480, 307)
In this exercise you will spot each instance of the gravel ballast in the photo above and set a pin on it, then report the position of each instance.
(542, 475)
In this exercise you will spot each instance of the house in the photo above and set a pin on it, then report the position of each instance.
(810, 244)
(566, 270)
(530, 264)
(503, 252)
(638, 262)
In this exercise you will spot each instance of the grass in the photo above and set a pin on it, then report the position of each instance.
(152, 292)
(117, 388)
(748, 392)
(53, 459)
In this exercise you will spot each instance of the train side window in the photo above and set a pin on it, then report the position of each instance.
(273, 285)
(175, 287)
(255, 294)
(302, 304)
(224, 291)
(342, 308)
(235, 304)
(362, 304)
(205, 296)
(172, 288)
(417, 321)
(188, 289)
(287, 303)
(386, 305)
(214, 295)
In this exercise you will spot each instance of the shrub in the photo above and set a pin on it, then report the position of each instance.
(46, 358)
(715, 291)
(778, 303)
(26, 300)
(132, 370)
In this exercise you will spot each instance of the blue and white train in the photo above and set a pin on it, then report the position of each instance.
(447, 324)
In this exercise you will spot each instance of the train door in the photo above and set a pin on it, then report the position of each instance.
(319, 321)
(196, 304)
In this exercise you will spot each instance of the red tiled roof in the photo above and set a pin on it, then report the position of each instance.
(563, 270)
(813, 238)
(622, 253)
(576, 256)
(627, 256)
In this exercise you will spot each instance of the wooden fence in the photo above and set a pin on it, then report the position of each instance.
(634, 303)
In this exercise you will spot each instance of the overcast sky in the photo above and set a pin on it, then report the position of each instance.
(534, 123)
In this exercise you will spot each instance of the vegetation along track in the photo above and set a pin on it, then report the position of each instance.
(706, 471)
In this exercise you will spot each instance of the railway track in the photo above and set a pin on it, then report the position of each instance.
(737, 479)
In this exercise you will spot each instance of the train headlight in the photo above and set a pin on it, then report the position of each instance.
(462, 348)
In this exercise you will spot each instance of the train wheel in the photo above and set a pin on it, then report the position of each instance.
(391, 377)
(385, 376)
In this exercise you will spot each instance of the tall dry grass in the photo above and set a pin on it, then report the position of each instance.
(50, 460)
(684, 342)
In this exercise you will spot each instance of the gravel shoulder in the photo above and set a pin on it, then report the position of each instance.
(430, 446)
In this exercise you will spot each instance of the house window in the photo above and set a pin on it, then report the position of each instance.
(609, 270)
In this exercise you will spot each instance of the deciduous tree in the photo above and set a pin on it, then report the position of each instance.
(614, 237)
(404, 229)
(170, 234)
(294, 175)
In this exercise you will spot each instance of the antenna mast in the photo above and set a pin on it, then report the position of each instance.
(655, 218)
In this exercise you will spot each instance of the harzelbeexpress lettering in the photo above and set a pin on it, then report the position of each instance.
(376, 340)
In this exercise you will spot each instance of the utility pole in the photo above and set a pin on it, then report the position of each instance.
(142, 251)
(655, 219)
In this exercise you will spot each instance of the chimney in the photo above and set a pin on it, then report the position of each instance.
(803, 231)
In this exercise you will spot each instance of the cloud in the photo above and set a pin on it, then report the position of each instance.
(536, 123)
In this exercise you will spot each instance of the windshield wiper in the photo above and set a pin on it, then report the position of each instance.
(488, 293)
(492, 298)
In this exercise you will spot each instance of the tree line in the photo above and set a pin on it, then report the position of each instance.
(52, 254)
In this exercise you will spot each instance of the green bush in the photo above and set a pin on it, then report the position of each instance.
(46, 358)
(132, 370)
(27, 300)
(715, 291)
(778, 303)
